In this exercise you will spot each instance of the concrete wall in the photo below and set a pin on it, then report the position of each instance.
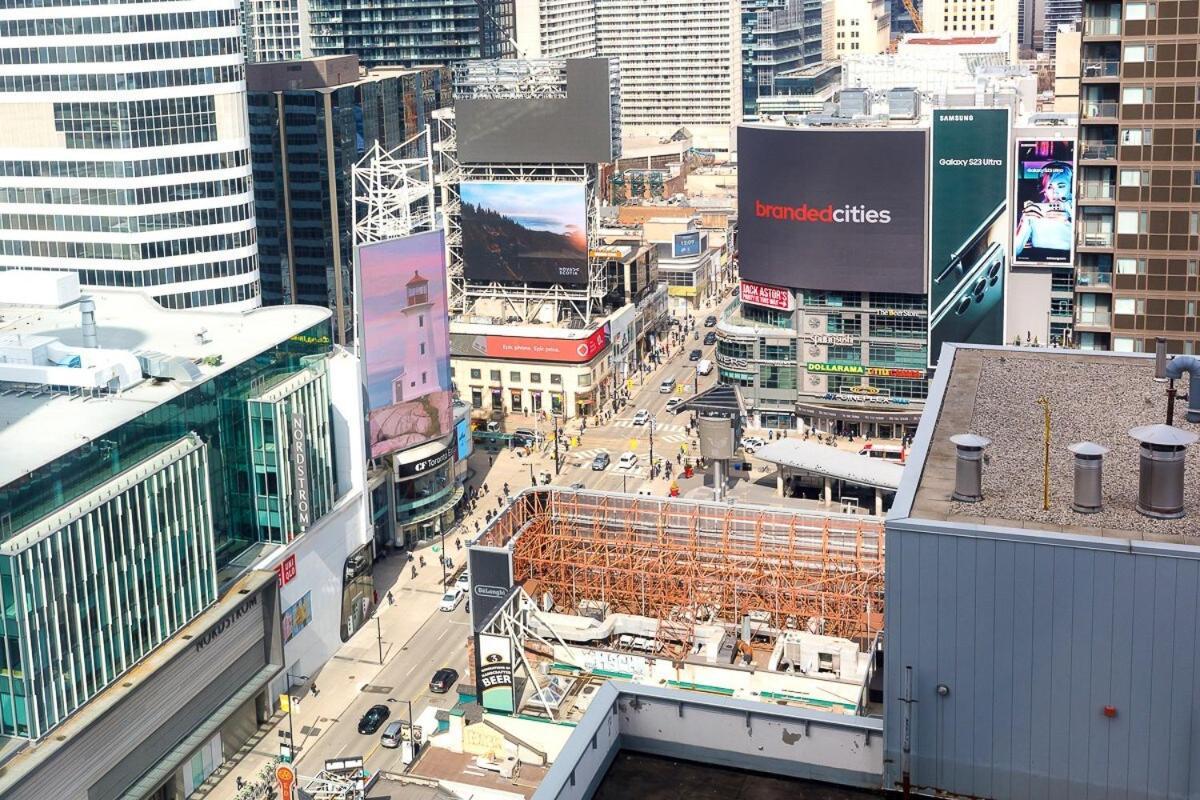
(1033, 636)
(714, 730)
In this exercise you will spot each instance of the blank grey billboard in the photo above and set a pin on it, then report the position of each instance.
(837, 209)
(572, 129)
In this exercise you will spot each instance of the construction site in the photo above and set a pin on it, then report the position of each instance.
(743, 601)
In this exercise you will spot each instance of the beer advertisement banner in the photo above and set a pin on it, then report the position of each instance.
(496, 684)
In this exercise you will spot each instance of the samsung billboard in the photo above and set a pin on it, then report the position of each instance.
(837, 209)
(520, 232)
(968, 228)
(1045, 200)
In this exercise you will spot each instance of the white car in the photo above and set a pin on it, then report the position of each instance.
(451, 599)
(463, 581)
(641, 417)
(627, 461)
(674, 403)
(751, 443)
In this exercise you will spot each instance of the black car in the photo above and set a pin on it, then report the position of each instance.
(443, 680)
(710, 321)
(710, 337)
(373, 719)
(694, 355)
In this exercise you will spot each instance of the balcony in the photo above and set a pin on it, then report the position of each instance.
(1100, 110)
(1101, 26)
(1093, 279)
(1098, 151)
(1097, 190)
(1096, 239)
(1093, 318)
(1101, 68)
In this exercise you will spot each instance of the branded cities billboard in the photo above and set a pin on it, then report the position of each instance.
(496, 685)
(405, 341)
(759, 294)
(832, 209)
(530, 348)
(575, 129)
(968, 239)
(1045, 202)
(524, 232)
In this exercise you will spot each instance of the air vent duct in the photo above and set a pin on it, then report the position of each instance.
(968, 469)
(1160, 473)
(1089, 482)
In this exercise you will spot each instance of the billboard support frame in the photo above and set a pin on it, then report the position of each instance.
(523, 301)
(393, 194)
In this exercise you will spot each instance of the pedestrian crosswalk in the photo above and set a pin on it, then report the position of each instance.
(659, 427)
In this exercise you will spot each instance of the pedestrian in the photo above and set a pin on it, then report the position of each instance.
(499, 502)
(414, 571)
(313, 685)
(391, 601)
(489, 461)
(476, 526)
(485, 489)
(506, 488)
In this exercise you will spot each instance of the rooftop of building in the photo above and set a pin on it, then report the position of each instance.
(38, 425)
(1093, 397)
(650, 777)
(319, 73)
(955, 40)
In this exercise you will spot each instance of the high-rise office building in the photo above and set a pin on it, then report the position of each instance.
(407, 33)
(1138, 225)
(973, 16)
(556, 28)
(1057, 14)
(276, 30)
(310, 123)
(124, 153)
(777, 36)
(679, 62)
(861, 27)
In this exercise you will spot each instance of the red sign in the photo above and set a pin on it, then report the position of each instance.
(528, 348)
(285, 570)
(895, 372)
(760, 294)
(286, 777)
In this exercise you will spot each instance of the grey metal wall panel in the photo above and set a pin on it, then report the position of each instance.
(1033, 640)
(114, 740)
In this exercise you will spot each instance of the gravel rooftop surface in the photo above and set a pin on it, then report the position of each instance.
(1096, 400)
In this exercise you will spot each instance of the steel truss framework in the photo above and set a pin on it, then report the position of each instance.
(511, 78)
(686, 562)
(521, 301)
(393, 191)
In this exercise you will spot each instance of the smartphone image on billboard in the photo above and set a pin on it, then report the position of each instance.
(974, 314)
(950, 277)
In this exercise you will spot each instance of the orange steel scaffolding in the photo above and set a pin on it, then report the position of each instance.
(688, 563)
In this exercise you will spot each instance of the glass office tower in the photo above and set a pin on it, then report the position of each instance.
(125, 155)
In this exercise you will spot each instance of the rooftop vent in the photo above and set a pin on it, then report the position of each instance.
(87, 322)
(1160, 474)
(1089, 461)
(968, 470)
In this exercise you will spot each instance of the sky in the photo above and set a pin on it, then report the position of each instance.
(554, 207)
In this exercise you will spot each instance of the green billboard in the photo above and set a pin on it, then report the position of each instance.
(969, 222)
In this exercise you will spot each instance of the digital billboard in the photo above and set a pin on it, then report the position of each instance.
(576, 128)
(524, 232)
(832, 209)
(530, 348)
(968, 239)
(685, 244)
(1045, 202)
(405, 341)
(759, 294)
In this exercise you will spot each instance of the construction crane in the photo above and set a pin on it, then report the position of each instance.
(911, 8)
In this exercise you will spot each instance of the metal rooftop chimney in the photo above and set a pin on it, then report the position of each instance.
(1160, 474)
(968, 469)
(87, 312)
(1089, 460)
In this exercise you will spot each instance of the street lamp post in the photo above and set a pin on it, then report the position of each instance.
(443, 560)
(651, 446)
(532, 480)
(557, 460)
(291, 725)
(379, 637)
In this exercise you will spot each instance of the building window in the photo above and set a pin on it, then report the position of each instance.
(555, 379)
(1131, 221)
(1131, 266)
(535, 377)
(1137, 95)
(585, 379)
(1137, 136)
(514, 376)
(1193, 223)
(495, 375)
(476, 374)
(1136, 11)
(1122, 345)
(1138, 53)
(1125, 305)
(1134, 177)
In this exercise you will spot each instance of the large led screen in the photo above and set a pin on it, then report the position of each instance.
(968, 239)
(832, 209)
(405, 341)
(524, 232)
(1045, 199)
